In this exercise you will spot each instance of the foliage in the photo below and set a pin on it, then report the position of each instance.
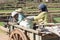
(56, 20)
(1, 23)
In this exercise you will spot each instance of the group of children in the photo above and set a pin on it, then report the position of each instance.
(30, 21)
(21, 19)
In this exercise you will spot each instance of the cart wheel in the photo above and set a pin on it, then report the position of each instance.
(17, 35)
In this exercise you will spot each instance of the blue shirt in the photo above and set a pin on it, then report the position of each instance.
(20, 17)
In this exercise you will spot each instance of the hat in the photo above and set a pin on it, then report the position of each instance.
(19, 10)
(42, 7)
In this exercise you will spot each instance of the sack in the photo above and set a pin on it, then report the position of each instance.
(26, 23)
(31, 18)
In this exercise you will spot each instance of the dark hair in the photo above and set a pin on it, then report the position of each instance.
(42, 7)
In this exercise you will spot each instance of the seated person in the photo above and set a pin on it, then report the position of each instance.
(13, 17)
(21, 15)
(18, 15)
(42, 17)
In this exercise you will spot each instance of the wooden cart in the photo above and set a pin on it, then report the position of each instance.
(18, 32)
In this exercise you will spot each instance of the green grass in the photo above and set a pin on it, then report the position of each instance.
(53, 8)
(27, 9)
(5, 11)
(57, 19)
(1, 23)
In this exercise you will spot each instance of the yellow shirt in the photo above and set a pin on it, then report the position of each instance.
(41, 18)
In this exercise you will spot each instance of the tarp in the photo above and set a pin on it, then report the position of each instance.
(54, 29)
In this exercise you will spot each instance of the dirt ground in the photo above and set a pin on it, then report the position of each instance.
(4, 36)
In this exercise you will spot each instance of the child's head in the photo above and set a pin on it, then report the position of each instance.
(42, 7)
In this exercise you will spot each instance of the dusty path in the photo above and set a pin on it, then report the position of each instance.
(4, 37)
(3, 34)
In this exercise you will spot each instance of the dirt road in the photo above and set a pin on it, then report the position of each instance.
(3, 35)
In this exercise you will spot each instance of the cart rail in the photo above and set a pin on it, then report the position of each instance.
(31, 30)
(35, 34)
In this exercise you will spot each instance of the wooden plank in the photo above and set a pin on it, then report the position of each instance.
(4, 15)
(50, 24)
(50, 11)
(31, 13)
(31, 36)
(38, 37)
(20, 27)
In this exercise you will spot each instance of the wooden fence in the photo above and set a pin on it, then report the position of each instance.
(31, 13)
(31, 4)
